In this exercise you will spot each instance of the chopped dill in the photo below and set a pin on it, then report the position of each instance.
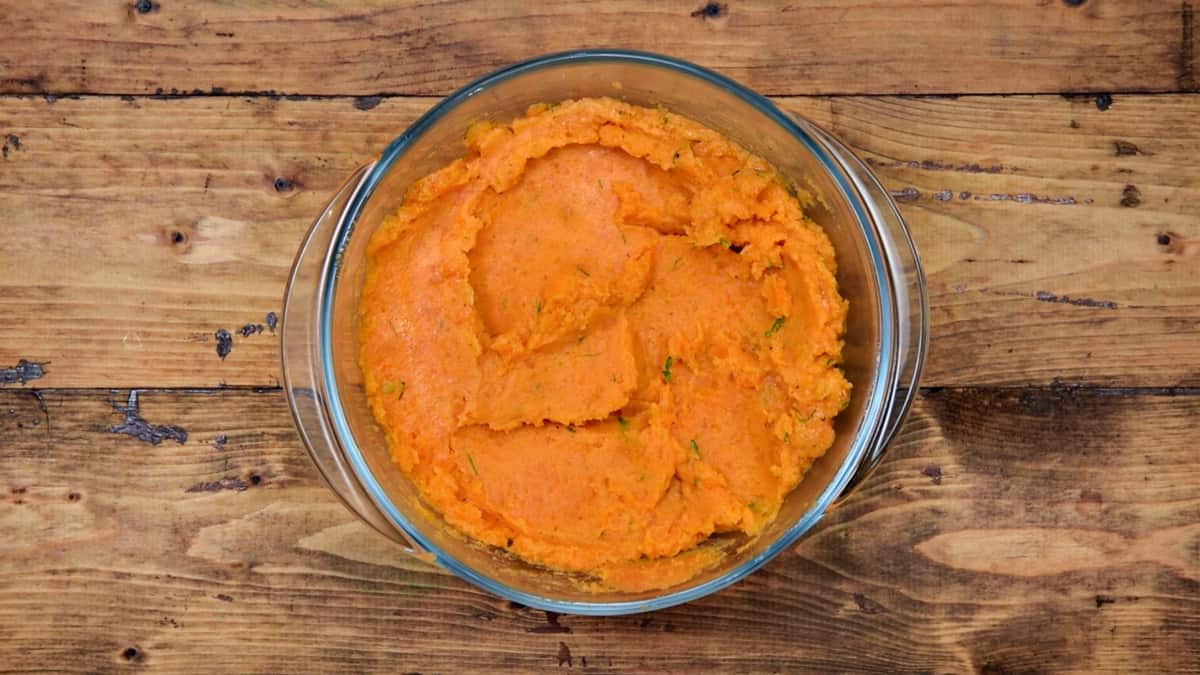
(775, 326)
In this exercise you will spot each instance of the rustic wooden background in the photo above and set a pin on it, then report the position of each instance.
(161, 160)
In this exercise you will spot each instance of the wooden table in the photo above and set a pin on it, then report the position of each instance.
(161, 160)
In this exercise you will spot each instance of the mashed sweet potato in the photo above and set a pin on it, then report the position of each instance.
(604, 335)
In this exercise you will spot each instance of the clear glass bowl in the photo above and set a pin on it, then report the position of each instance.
(878, 272)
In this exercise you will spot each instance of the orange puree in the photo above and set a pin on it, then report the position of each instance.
(604, 335)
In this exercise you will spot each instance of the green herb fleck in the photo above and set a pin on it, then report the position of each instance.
(600, 183)
(695, 448)
(394, 388)
(675, 265)
(471, 461)
(666, 118)
(623, 239)
(675, 158)
(775, 326)
(724, 243)
(582, 271)
(753, 506)
(787, 438)
(570, 428)
(624, 423)
(642, 476)
(537, 307)
(666, 369)
(695, 481)
(804, 419)
(735, 172)
(830, 362)
(388, 388)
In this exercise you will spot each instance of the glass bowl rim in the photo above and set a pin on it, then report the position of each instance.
(873, 414)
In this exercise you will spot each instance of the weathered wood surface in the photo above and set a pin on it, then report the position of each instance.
(1060, 241)
(804, 47)
(1009, 530)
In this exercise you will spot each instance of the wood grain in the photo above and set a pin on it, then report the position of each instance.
(1008, 530)
(1060, 241)
(803, 47)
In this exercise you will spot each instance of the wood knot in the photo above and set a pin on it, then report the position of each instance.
(711, 10)
(177, 237)
(283, 184)
(145, 6)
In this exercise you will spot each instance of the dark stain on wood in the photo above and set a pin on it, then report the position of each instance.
(1046, 296)
(1131, 197)
(283, 184)
(935, 165)
(1187, 47)
(30, 84)
(367, 102)
(11, 142)
(564, 655)
(1026, 198)
(1074, 3)
(41, 404)
(1127, 149)
(223, 597)
(233, 483)
(145, 6)
(23, 372)
(711, 10)
(224, 343)
(1102, 600)
(251, 329)
(934, 473)
(867, 605)
(137, 427)
(1103, 102)
(551, 626)
(271, 320)
(908, 194)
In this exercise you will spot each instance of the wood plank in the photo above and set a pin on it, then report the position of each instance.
(1007, 530)
(413, 48)
(133, 230)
